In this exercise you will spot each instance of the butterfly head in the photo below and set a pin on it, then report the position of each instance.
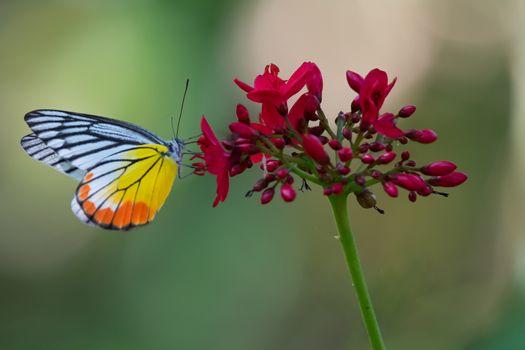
(176, 146)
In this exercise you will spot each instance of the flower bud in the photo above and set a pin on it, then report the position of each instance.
(376, 174)
(390, 189)
(334, 144)
(412, 196)
(405, 155)
(439, 168)
(271, 165)
(237, 169)
(356, 118)
(279, 143)
(366, 199)
(269, 177)
(406, 111)
(426, 191)
(377, 146)
(324, 140)
(314, 148)
(342, 169)
(337, 188)
(260, 185)
(347, 134)
(282, 173)
(267, 195)
(411, 182)
(403, 140)
(367, 158)
(411, 163)
(354, 80)
(242, 114)
(386, 158)
(345, 154)
(243, 130)
(422, 136)
(364, 147)
(327, 191)
(287, 192)
(451, 180)
(360, 180)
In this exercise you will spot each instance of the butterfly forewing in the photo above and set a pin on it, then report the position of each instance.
(37, 149)
(84, 139)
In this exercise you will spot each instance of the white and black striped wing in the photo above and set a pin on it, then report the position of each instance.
(38, 150)
(83, 139)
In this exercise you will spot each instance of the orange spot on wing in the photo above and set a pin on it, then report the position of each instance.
(88, 176)
(104, 216)
(140, 213)
(123, 215)
(89, 207)
(83, 192)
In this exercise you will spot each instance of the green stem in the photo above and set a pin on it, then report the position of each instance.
(340, 210)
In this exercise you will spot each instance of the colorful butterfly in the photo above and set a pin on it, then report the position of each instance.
(125, 172)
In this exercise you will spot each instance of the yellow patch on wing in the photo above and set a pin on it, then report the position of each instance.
(128, 188)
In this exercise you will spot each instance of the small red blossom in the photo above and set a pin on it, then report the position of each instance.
(372, 90)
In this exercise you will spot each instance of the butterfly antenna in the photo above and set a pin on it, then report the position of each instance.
(181, 109)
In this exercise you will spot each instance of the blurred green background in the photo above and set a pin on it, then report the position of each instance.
(444, 273)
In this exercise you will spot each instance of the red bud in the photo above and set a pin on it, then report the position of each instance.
(367, 158)
(377, 146)
(451, 180)
(354, 80)
(267, 195)
(282, 173)
(345, 154)
(422, 136)
(334, 144)
(406, 111)
(314, 148)
(337, 188)
(411, 182)
(390, 189)
(386, 158)
(439, 168)
(242, 114)
(287, 192)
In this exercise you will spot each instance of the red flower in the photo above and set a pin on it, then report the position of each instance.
(274, 92)
(216, 159)
(373, 90)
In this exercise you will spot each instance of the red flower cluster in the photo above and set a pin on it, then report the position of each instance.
(300, 141)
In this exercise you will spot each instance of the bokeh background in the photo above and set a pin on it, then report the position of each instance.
(444, 273)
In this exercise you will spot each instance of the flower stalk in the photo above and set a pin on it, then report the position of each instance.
(346, 237)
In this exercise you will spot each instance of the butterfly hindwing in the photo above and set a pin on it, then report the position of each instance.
(82, 139)
(126, 188)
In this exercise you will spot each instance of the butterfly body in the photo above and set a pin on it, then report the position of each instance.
(125, 172)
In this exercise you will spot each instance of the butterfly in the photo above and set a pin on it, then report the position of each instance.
(126, 172)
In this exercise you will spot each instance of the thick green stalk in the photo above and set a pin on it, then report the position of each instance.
(340, 210)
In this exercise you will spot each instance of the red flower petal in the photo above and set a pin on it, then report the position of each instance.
(386, 126)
